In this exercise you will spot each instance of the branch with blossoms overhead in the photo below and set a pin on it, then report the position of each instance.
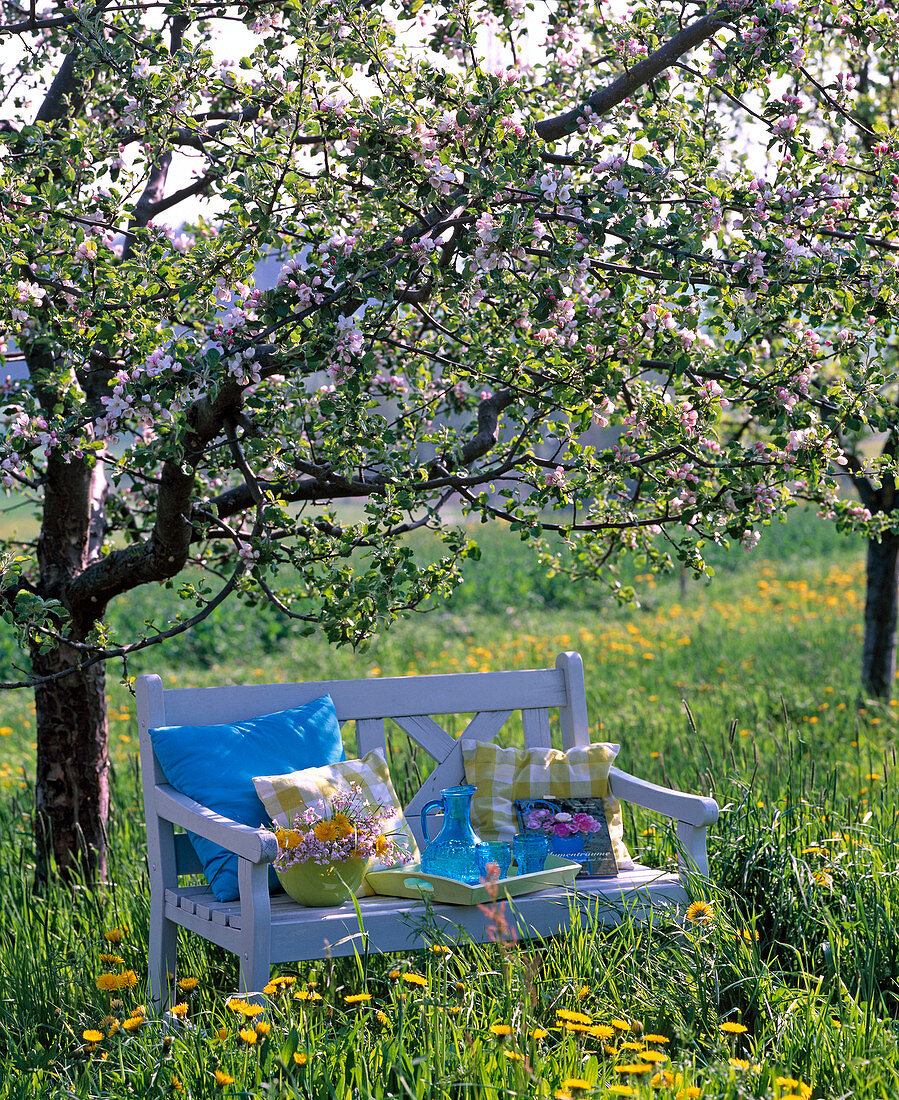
(648, 339)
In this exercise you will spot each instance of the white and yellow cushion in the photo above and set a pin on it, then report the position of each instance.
(503, 775)
(286, 795)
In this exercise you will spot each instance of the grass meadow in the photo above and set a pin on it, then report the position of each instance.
(784, 984)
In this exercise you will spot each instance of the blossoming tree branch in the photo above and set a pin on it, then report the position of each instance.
(621, 282)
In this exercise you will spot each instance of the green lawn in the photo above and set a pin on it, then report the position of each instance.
(746, 689)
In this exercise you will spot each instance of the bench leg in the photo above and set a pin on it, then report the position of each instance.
(163, 955)
(256, 921)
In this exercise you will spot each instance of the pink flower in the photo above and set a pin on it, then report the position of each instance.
(585, 823)
(563, 828)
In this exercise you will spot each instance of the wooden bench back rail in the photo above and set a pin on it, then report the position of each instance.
(409, 701)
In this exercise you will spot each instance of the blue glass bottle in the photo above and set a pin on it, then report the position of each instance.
(454, 852)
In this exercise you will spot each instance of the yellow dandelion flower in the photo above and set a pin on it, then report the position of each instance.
(621, 1090)
(656, 1038)
(823, 878)
(562, 1094)
(414, 979)
(738, 1063)
(611, 1051)
(108, 982)
(244, 1007)
(92, 1035)
(138, 1010)
(188, 984)
(622, 1025)
(539, 1033)
(248, 1034)
(500, 1030)
(114, 935)
(634, 1068)
(691, 1092)
(601, 1031)
(223, 1033)
(176, 1083)
(460, 987)
(630, 1046)
(665, 1079)
(573, 1017)
(439, 949)
(286, 979)
(653, 1056)
(342, 826)
(700, 912)
(513, 1056)
(116, 1003)
(271, 989)
(133, 1023)
(111, 960)
(326, 832)
(581, 1029)
(263, 1027)
(730, 1027)
(127, 980)
(748, 934)
(813, 851)
(179, 1010)
(222, 1078)
(357, 998)
(454, 1010)
(300, 1058)
(382, 1018)
(577, 1084)
(395, 974)
(583, 991)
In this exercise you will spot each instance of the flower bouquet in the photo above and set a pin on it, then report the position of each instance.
(322, 859)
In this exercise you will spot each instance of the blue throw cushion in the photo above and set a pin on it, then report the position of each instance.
(215, 765)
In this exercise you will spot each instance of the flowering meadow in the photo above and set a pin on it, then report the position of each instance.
(781, 980)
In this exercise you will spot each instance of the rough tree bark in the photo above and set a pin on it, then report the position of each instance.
(881, 607)
(72, 781)
(881, 580)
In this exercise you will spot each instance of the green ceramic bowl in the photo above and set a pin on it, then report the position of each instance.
(319, 885)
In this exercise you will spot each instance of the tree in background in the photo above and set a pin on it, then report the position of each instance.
(479, 263)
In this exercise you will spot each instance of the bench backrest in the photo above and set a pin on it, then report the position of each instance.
(409, 701)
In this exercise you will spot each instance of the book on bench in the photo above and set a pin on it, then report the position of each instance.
(592, 850)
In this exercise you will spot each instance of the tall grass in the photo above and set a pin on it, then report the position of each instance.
(746, 689)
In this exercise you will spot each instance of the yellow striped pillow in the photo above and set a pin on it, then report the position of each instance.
(285, 795)
(503, 774)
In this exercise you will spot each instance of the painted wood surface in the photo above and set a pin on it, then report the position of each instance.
(263, 929)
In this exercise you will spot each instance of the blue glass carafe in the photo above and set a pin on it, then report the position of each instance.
(454, 852)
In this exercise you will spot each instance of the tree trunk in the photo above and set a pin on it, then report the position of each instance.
(881, 607)
(72, 789)
(72, 780)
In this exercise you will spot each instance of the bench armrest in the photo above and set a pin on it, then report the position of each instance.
(692, 808)
(256, 845)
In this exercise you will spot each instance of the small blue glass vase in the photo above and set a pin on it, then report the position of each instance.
(454, 852)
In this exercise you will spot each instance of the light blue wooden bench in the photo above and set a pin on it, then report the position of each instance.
(263, 930)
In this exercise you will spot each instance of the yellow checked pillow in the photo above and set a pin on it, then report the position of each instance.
(502, 775)
(313, 788)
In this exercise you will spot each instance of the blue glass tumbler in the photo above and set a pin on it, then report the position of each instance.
(494, 854)
(530, 850)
